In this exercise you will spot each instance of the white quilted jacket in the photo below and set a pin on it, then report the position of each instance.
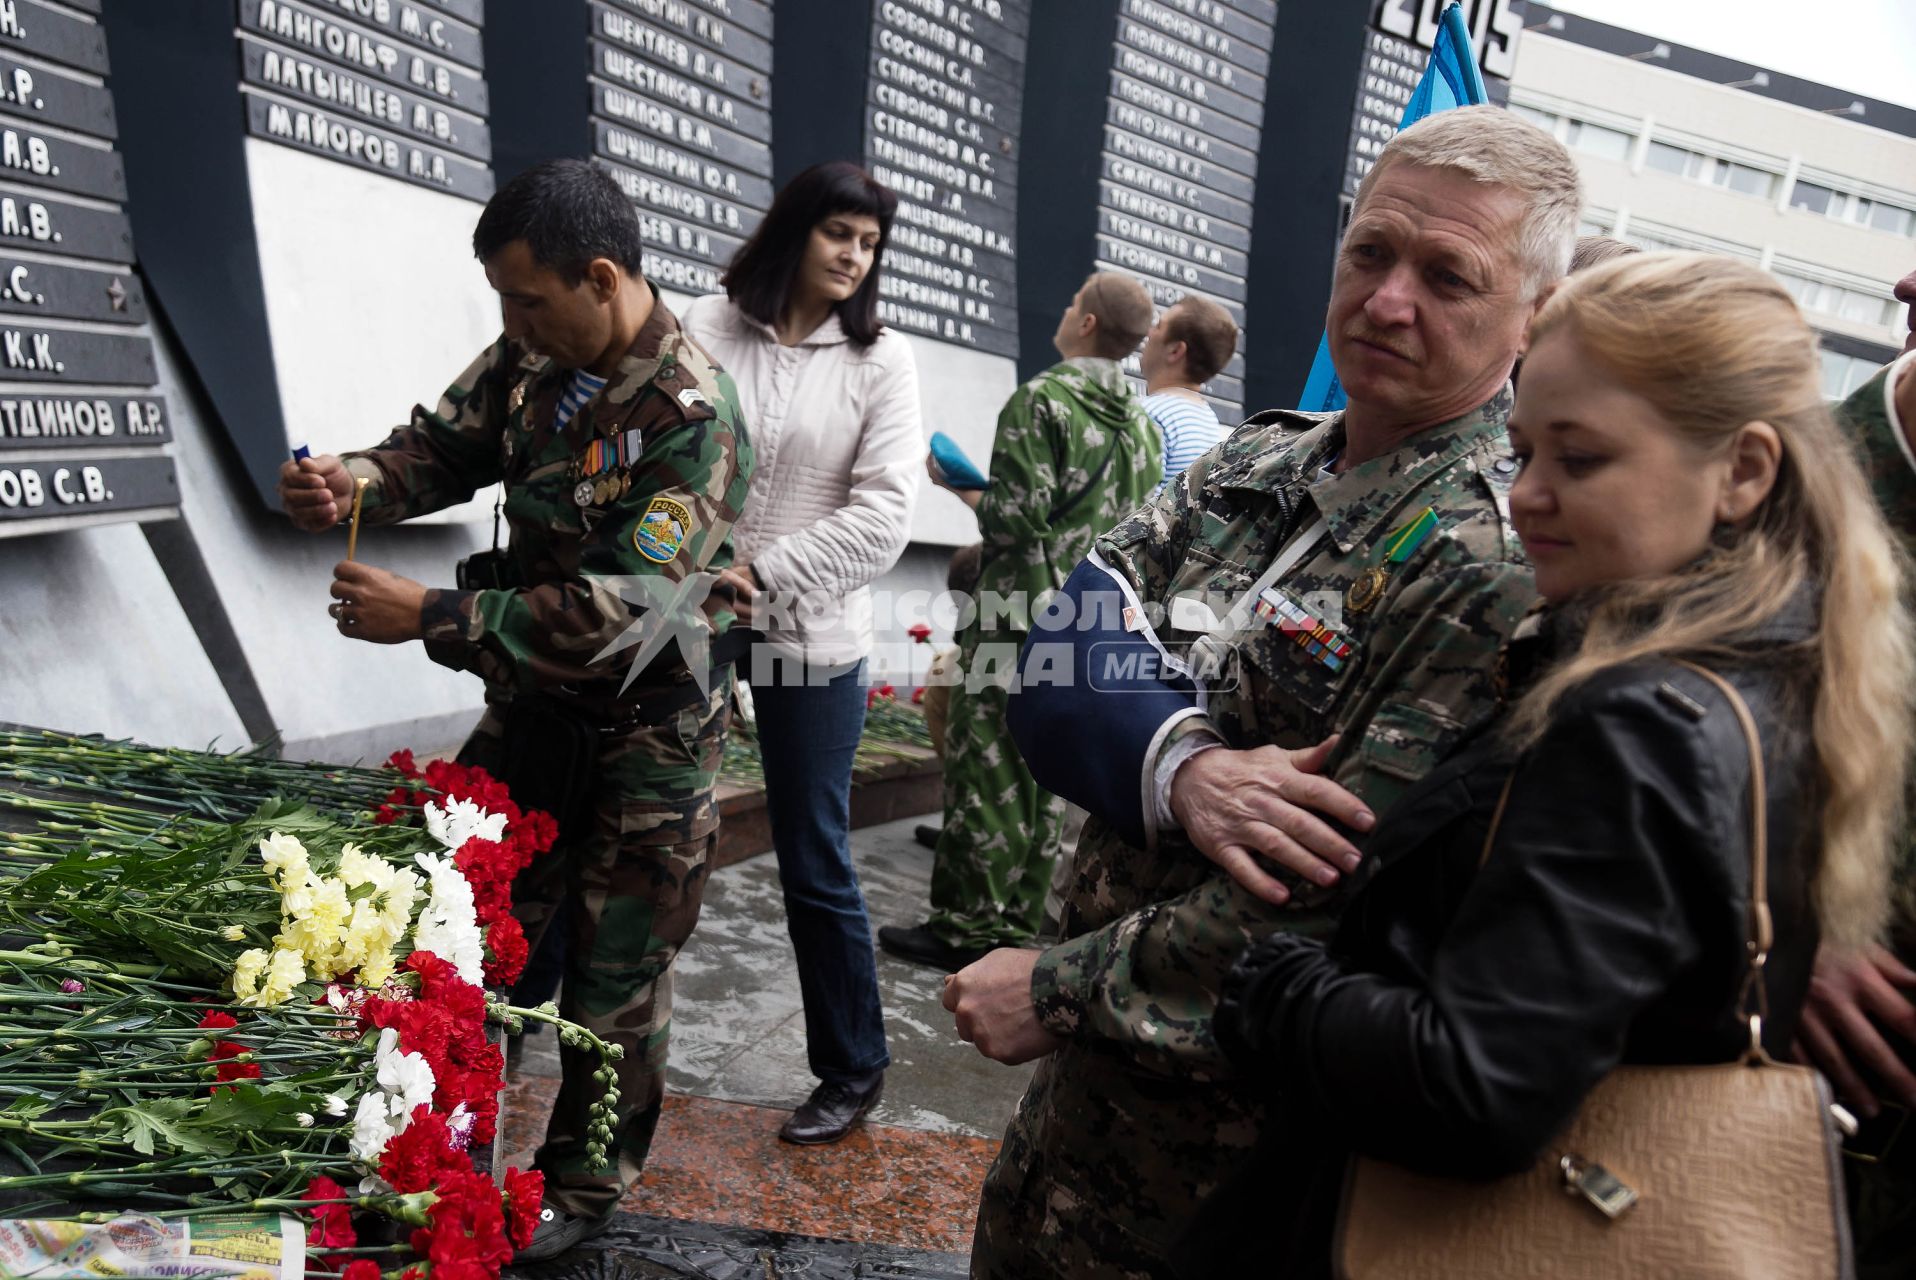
(838, 447)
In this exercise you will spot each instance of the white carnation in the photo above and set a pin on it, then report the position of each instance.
(372, 1128)
(449, 925)
(407, 1077)
(459, 821)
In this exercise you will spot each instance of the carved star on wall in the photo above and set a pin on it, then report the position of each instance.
(116, 294)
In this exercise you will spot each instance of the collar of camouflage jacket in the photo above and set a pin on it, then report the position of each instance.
(1357, 504)
(1108, 375)
(652, 349)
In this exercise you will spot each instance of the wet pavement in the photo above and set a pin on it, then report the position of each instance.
(721, 1196)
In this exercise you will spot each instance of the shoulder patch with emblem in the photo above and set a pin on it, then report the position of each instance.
(662, 530)
(691, 396)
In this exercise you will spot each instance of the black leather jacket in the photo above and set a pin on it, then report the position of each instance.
(1459, 1016)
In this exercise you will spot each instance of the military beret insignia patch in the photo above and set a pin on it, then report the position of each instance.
(662, 530)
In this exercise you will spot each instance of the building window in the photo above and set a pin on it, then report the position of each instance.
(1885, 217)
(1579, 135)
(1677, 160)
(1748, 180)
(1685, 163)
(1865, 307)
(1878, 215)
(1594, 139)
(1807, 195)
(1843, 374)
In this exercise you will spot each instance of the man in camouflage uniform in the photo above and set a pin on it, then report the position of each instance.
(1351, 574)
(623, 455)
(1074, 452)
(1859, 1025)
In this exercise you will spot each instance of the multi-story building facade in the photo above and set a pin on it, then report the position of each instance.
(1683, 149)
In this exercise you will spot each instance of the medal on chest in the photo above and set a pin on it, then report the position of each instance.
(1319, 642)
(602, 471)
(1368, 587)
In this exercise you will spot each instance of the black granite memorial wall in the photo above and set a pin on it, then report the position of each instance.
(81, 428)
(942, 126)
(674, 97)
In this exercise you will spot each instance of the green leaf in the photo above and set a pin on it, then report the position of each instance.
(166, 1122)
(246, 1106)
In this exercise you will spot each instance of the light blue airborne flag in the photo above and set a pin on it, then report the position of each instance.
(1450, 80)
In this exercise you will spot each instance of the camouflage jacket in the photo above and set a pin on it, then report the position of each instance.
(1074, 454)
(1869, 418)
(646, 479)
(1387, 632)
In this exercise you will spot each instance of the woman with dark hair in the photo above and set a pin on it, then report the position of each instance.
(831, 401)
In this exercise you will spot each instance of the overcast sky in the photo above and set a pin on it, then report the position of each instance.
(1865, 46)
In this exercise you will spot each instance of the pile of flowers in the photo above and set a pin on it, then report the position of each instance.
(284, 1013)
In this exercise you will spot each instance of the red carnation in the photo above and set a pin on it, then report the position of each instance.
(919, 632)
(362, 1269)
(421, 1156)
(535, 832)
(879, 694)
(332, 1223)
(918, 696)
(507, 942)
(224, 1051)
(467, 1235)
(402, 761)
(525, 1191)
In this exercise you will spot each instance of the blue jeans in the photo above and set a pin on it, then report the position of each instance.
(809, 724)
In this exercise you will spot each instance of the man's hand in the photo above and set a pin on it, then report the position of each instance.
(314, 491)
(1238, 804)
(991, 999)
(1854, 997)
(376, 605)
(744, 586)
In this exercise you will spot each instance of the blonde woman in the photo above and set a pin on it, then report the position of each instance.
(1684, 494)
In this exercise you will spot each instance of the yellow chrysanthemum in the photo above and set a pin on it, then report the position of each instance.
(247, 971)
(286, 971)
(285, 859)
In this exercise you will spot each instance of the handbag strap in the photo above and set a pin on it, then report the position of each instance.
(1762, 928)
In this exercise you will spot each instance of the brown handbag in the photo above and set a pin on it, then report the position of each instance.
(1722, 1172)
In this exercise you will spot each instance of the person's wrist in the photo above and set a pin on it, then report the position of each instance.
(1183, 781)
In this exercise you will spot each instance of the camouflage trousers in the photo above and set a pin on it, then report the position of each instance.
(1103, 1169)
(633, 880)
(992, 868)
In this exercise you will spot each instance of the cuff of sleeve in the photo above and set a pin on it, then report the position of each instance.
(1059, 987)
(361, 467)
(1903, 366)
(446, 625)
(1178, 739)
(769, 566)
(1236, 1001)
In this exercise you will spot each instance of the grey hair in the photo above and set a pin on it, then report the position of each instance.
(1490, 146)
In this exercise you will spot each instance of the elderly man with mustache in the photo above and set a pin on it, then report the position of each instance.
(1320, 600)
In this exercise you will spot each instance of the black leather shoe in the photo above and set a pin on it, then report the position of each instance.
(926, 834)
(830, 1112)
(920, 945)
(559, 1231)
